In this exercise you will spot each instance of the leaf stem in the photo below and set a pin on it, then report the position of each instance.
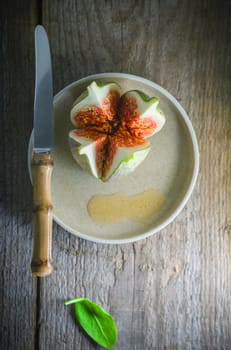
(73, 301)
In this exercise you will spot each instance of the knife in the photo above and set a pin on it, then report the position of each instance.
(42, 161)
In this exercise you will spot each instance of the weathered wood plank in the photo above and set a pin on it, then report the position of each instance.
(173, 289)
(17, 290)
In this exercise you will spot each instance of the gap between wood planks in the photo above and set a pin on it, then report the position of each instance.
(39, 11)
(37, 313)
(37, 284)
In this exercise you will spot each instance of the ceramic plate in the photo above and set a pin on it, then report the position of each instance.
(171, 167)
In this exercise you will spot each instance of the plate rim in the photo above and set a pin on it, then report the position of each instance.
(196, 157)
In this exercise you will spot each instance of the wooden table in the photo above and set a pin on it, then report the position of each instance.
(172, 290)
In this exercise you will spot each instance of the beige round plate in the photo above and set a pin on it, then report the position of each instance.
(171, 167)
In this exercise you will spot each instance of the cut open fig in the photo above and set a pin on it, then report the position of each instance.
(111, 131)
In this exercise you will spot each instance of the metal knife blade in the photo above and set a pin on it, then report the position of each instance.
(42, 161)
(43, 101)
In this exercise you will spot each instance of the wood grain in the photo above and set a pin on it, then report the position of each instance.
(17, 287)
(172, 290)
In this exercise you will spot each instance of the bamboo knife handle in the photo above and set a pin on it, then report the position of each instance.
(42, 262)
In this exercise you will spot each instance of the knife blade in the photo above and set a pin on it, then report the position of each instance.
(42, 161)
(43, 102)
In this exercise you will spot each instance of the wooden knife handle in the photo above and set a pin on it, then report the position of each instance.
(42, 262)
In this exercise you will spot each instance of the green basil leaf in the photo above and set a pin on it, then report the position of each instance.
(96, 322)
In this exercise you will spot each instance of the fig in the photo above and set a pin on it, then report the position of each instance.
(111, 131)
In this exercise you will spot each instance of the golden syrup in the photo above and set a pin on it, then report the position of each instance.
(119, 206)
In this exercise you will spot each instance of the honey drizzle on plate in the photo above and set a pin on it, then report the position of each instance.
(119, 206)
